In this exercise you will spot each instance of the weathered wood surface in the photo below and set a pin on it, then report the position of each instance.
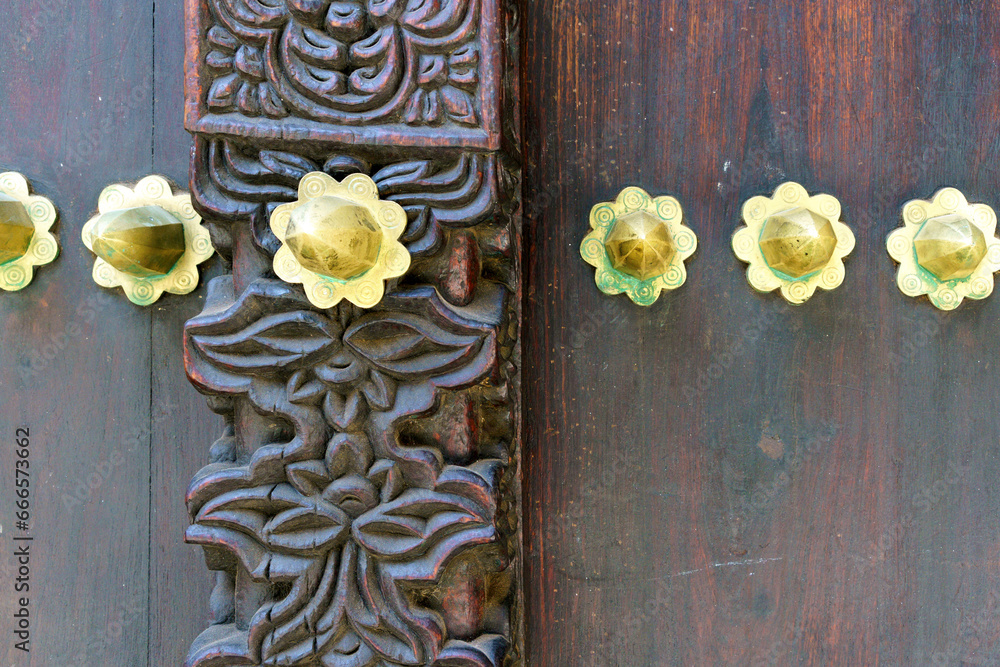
(721, 479)
(91, 94)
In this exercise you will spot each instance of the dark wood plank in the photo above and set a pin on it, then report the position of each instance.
(181, 420)
(75, 93)
(668, 527)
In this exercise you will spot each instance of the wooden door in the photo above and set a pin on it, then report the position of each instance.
(91, 95)
(721, 478)
(498, 464)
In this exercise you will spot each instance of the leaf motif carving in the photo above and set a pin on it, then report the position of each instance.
(415, 522)
(279, 517)
(271, 344)
(222, 94)
(290, 165)
(408, 345)
(333, 490)
(459, 105)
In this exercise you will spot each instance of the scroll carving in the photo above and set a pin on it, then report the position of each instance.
(267, 67)
(362, 507)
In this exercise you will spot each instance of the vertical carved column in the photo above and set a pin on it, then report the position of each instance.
(362, 506)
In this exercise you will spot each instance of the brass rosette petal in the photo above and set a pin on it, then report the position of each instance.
(340, 241)
(638, 245)
(793, 242)
(25, 239)
(947, 249)
(155, 242)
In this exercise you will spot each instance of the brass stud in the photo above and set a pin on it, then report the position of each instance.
(142, 241)
(25, 239)
(340, 240)
(148, 240)
(946, 249)
(638, 245)
(793, 242)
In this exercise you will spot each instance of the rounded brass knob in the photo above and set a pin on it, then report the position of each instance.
(793, 242)
(148, 240)
(340, 241)
(638, 245)
(25, 239)
(947, 249)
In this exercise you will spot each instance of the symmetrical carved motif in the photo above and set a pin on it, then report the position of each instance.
(327, 64)
(361, 508)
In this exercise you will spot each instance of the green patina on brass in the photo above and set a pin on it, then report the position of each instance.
(950, 246)
(797, 242)
(639, 245)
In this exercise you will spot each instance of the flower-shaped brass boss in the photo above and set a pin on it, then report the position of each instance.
(638, 245)
(340, 240)
(148, 241)
(946, 249)
(793, 242)
(25, 240)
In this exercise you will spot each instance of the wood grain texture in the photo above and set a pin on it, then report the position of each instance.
(723, 479)
(180, 423)
(99, 380)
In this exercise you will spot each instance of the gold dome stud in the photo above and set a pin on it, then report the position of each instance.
(25, 239)
(142, 241)
(793, 242)
(148, 240)
(340, 240)
(334, 237)
(946, 249)
(638, 245)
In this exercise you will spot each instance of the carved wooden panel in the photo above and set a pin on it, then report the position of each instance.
(362, 507)
(358, 71)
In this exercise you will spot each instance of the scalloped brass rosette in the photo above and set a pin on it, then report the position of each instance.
(25, 240)
(148, 240)
(638, 245)
(946, 249)
(793, 242)
(340, 240)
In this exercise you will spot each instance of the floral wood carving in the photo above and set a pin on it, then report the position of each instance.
(345, 520)
(315, 65)
(361, 508)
